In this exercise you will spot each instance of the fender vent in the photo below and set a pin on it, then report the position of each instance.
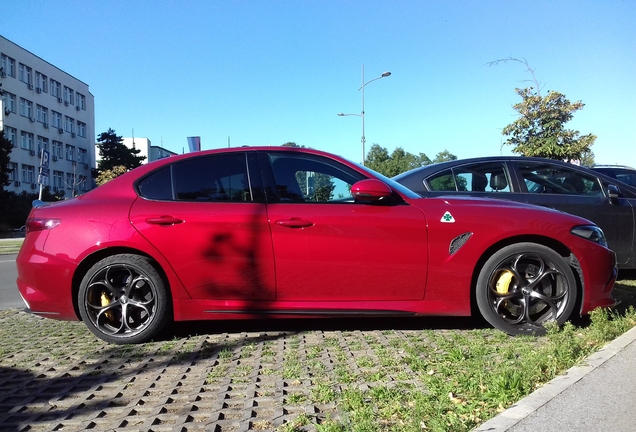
(458, 242)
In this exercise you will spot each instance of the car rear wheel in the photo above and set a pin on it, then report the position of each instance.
(123, 299)
(524, 286)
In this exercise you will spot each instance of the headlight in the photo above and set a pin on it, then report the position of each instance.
(590, 232)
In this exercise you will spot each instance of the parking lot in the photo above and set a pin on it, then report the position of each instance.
(292, 375)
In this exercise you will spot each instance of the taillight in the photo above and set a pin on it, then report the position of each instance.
(40, 224)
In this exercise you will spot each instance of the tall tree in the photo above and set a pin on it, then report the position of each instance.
(540, 129)
(379, 159)
(114, 153)
(5, 151)
(444, 156)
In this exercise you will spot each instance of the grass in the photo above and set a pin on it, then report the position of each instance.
(10, 246)
(384, 379)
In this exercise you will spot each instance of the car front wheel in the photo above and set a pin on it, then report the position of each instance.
(123, 299)
(524, 286)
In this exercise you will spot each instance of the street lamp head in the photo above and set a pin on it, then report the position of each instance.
(386, 74)
(341, 114)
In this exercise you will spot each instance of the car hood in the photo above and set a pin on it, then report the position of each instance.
(495, 204)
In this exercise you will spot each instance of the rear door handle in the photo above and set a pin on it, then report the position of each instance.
(164, 220)
(294, 223)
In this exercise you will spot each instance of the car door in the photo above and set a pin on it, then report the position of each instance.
(583, 194)
(330, 248)
(208, 218)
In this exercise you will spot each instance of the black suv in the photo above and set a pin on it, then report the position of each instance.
(621, 173)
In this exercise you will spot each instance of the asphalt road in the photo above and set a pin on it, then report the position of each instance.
(9, 296)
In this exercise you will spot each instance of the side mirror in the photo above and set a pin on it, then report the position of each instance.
(370, 190)
(613, 192)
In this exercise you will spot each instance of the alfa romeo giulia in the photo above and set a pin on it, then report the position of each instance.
(290, 232)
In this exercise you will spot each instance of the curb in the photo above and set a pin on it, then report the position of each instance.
(531, 403)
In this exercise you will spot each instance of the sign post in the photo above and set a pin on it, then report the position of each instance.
(43, 177)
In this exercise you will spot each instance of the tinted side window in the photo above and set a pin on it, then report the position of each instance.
(212, 178)
(305, 178)
(216, 178)
(157, 185)
(555, 179)
(482, 177)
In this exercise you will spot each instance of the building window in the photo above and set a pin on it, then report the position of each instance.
(56, 119)
(81, 101)
(69, 181)
(41, 114)
(26, 108)
(56, 89)
(68, 124)
(57, 149)
(8, 66)
(41, 83)
(10, 102)
(13, 171)
(69, 97)
(58, 179)
(26, 73)
(70, 152)
(28, 173)
(26, 141)
(10, 134)
(43, 144)
(81, 129)
(82, 155)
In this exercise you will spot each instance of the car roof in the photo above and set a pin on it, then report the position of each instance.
(425, 170)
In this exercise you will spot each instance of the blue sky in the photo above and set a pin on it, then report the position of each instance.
(269, 72)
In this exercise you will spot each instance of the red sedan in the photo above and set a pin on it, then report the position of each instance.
(290, 232)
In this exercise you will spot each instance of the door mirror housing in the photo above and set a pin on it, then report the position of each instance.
(613, 192)
(370, 190)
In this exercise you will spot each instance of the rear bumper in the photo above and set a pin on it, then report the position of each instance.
(45, 284)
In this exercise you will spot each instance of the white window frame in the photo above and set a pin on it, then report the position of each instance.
(26, 141)
(28, 173)
(26, 108)
(43, 144)
(10, 102)
(70, 152)
(69, 123)
(41, 113)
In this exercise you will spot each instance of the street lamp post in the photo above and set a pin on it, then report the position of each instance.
(361, 115)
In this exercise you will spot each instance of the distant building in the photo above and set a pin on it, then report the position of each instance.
(151, 152)
(45, 108)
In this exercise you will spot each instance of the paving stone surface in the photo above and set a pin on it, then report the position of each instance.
(59, 377)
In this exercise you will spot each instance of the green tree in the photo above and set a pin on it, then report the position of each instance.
(107, 175)
(379, 159)
(540, 129)
(444, 156)
(5, 151)
(114, 153)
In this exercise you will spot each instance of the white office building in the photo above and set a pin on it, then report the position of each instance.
(148, 150)
(45, 108)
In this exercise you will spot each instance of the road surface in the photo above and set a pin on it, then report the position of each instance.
(9, 296)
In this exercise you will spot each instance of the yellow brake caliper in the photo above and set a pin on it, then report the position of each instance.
(503, 283)
(105, 302)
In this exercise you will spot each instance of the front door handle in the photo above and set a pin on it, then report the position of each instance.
(164, 220)
(294, 223)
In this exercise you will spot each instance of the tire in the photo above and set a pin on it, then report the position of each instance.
(123, 300)
(523, 286)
